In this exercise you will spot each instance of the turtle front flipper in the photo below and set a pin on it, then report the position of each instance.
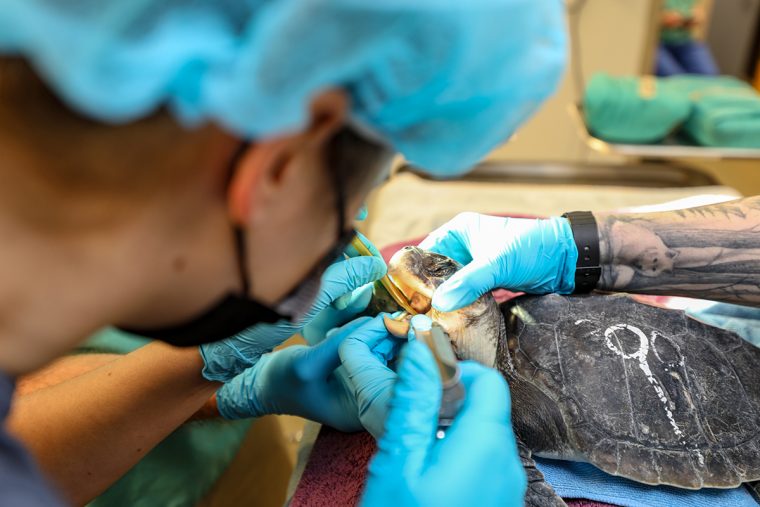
(539, 493)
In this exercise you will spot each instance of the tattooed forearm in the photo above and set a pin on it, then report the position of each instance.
(711, 252)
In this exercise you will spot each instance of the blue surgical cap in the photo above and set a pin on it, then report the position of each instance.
(441, 81)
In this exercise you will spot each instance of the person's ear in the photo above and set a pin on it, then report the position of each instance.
(328, 113)
(263, 168)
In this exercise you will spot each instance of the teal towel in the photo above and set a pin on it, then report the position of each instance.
(725, 111)
(632, 109)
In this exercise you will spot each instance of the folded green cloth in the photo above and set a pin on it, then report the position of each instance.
(633, 110)
(715, 111)
(725, 111)
(181, 469)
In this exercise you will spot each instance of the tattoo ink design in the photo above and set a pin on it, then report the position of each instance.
(711, 252)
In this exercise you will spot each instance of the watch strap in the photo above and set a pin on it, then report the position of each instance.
(586, 236)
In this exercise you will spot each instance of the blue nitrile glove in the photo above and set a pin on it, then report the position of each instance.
(225, 359)
(298, 380)
(347, 306)
(519, 254)
(476, 463)
(364, 356)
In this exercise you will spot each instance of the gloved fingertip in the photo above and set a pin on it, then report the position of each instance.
(360, 299)
(464, 287)
(343, 301)
(229, 402)
(379, 268)
(369, 244)
(450, 300)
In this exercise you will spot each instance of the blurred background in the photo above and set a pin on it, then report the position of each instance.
(622, 39)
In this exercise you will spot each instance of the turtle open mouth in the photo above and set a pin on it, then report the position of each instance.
(406, 272)
(418, 301)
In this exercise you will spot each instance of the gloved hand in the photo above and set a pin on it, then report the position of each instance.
(364, 355)
(298, 380)
(347, 306)
(528, 255)
(476, 463)
(225, 359)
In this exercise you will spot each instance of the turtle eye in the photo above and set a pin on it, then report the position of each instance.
(439, 265)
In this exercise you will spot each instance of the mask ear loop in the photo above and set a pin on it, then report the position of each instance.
(240, 252)
(237, 231)
(336, 171)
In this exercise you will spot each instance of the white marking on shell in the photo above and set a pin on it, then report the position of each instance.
(654, 347)
(641, 356)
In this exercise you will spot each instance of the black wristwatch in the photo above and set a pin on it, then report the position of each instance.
(586, 235)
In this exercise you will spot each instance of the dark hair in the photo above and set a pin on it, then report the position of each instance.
(358, 162)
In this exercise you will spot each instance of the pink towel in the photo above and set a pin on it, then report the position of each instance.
(336, 470)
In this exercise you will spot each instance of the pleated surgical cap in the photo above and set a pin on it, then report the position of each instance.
(443, 82)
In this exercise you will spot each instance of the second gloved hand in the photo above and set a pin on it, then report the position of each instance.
(346, 307)
(476, 463)
(298, 380)
(519, 254)
(364, 355)
(225, 359)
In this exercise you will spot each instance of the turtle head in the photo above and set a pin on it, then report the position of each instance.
(474, 330)
(418, 273)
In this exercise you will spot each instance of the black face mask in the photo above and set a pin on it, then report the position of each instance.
(235, 313)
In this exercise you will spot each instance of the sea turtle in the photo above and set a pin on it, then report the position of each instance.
(639, 391)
